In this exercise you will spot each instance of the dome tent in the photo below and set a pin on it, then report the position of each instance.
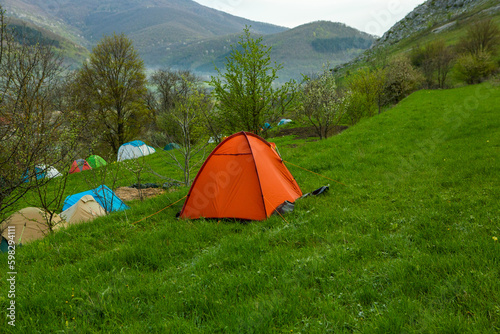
(85, 209)
(102, 194)
(40, 172)
(171, 146)
(133, 150)
(28, 224)
(79, 165)
(95, 161)
(243, 178)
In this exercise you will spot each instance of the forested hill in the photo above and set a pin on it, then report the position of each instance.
(301, 50)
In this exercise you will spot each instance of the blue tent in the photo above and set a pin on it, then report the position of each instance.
(171, 146)
(39, 173)
(4, 245)
(103, 195)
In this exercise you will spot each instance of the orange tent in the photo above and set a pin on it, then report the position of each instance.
(243, 178)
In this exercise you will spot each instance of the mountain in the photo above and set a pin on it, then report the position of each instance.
(185, 34)
(301, 50)
(434, 19)
(31, 34)
(144, 21)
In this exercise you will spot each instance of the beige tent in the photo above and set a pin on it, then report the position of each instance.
(85, 209)
(28, 224)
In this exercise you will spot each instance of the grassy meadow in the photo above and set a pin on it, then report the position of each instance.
(407, 244)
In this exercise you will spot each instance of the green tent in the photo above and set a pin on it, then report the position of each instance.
(96, 161)
(171, 146)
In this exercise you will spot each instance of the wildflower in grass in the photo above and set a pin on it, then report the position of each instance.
(495, 238)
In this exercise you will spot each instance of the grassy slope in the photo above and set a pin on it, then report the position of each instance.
(405, 246)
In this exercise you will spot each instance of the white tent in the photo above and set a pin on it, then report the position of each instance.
(85, 209)
(284, 121)
(49, 171)
(133, 150)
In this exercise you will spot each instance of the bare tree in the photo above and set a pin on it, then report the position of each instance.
(30, 123)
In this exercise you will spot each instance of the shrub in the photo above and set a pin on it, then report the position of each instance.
(402, 79)
(473, 68)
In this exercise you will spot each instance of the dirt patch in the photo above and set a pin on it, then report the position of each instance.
(129, 194)
(309, 131)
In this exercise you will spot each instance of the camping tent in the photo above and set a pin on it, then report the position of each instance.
(28, 224)
(133, 150)
(42, 171)
(79, 165)
(242, 178)
(85, 209)
(284, 121)
(171, 146)
(95, 161)
(102, 194)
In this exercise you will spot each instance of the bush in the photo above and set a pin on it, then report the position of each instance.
(473, 68)
(402, 79)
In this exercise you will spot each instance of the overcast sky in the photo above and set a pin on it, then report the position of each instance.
(371, 16)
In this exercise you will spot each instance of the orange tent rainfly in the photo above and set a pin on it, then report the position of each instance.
(243, 178)
(79, 165)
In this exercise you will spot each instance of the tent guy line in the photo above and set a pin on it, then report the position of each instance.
(159, 211)
(310, 171)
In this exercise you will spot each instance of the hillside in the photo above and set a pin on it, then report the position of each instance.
(301, 50)
(73, 53)
(409, 243)
(432, 20)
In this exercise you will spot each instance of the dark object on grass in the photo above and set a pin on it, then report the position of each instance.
(145, 185)
(317, 192)
(285, 207)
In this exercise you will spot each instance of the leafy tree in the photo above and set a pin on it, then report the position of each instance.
(323, 105)
(367, 87)
(246, 92)
(435, 60)
(112, 85)
(482, 36)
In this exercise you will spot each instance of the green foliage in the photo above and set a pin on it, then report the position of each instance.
(245, 91)
(473, 68)
(112, 87)
(367, 93)
(435, 60)
(481, 37)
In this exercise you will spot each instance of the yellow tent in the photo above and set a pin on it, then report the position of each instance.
(28, 224)
(85, 209)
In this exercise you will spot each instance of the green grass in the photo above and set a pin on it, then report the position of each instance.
(406, 246)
